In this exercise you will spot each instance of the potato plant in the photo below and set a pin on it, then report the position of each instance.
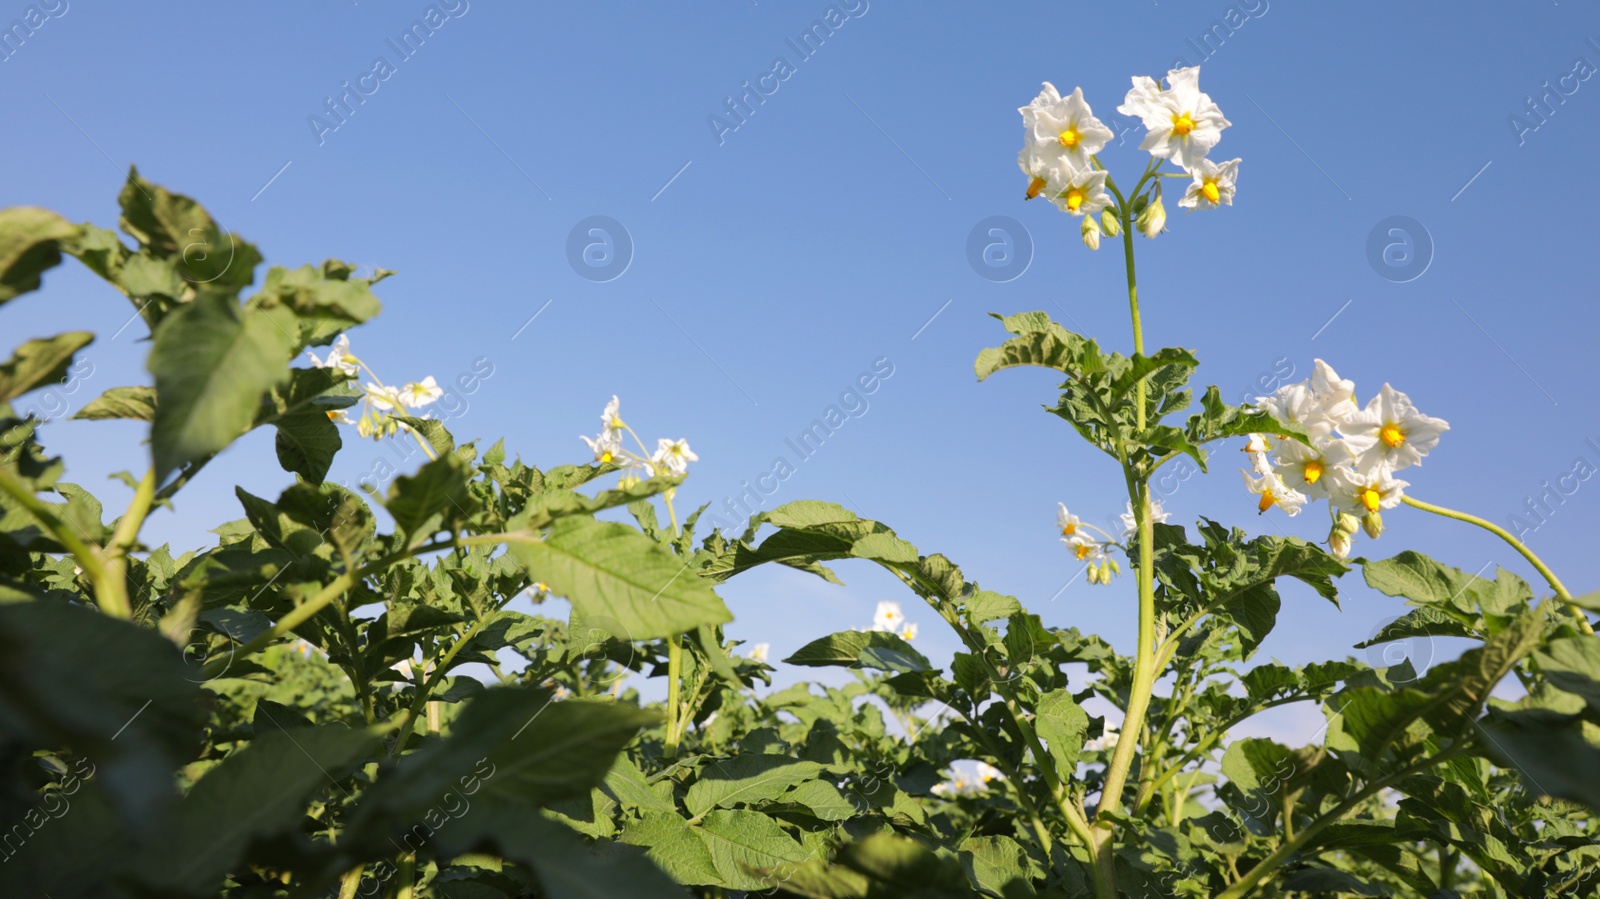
(342, 695)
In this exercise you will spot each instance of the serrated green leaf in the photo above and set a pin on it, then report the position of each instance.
(40, 362)
(135, 403)
(30, 244)
(862, 649)
(747, 780)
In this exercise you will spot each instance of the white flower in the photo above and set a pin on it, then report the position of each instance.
(986, 772)
(1130, 525)
(1272, 490)
(1257, 445)
(1184, 124)
(1080, 191)
(1391, 433)
(955, 786)
(1297, 404)
(419, 393)
(1213, 185)
(1362, 492)
(759, 651)
(888, 617)
(339, 357)
(909, 632)
(608, 448)
(1066, 521)
(1337, 395)
(1306, 468)
(1064, 125)
(609, 419)
(1084, 547)
(340, 416)
(672, 456)
(384, 399)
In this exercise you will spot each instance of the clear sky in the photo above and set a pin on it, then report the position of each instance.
(768, 265)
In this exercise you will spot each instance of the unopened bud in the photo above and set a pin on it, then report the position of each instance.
(1372, 523)
(1347, 523)
(1115, 567)
(1339, 544)
(1154, 218)
(1091, 233)
(1094, 575)
(1112, 224)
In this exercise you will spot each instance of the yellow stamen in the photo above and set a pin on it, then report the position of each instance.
(1266, 501)
(1034, 187)
(1070, 137)
(333, 414)
(1370, 498)
(1391, 435)
(605, 457)
(1209, 189)
(1069, 530)
(1313, 471)
(1083, 550)
(1182, 125)
(1075, 198)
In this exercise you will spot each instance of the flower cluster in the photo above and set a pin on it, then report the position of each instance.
(671, 457)
(1351, 457)
(1063, 139)
(379, 402)
(959, 784)
(1086, 548)
(890, 620)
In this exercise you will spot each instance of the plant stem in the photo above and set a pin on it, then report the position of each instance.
(88, 557)
(1522, 548)
(674, 691)
(423, 692)
(1242, 887)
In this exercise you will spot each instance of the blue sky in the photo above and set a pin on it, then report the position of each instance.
(774, 263)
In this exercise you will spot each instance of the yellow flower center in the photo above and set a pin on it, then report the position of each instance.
(1069, 530)
(333, 414)
(1267, 499)
(1034, 187)
(1209, 189)
(605, 457)
(1074, 197)
(1182, 125)
(1391, 435)
(1071, 137)
(1083, 550)
(1370, 498)
(1313, 471)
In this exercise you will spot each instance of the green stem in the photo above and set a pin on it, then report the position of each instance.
(674, 691)
(426, 689)
(407, 876)
(1522, 548)
(1242, 887)
(87, 556)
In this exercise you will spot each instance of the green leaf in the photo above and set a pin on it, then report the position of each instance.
(212, 363)
(821, 799)
(306, 443)
(40, 362)
(747, 779)
(610, 571)
(995, 861)
(1573, 664)
(1040, 341)
(432, 431)
(438, 488)
(325, 300)
(1553, 757)
(259, 792)
(1062, 724)
(30, 244)
(674, 846)
(135, 403)
(511, 743)
(862, 649)
(743, 842)
(172, 226)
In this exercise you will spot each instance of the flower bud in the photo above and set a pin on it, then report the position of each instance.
(1113, 225)
(1094, 575)
(1116, 567)
(1154, 218)
(1091, 233)
(1372, 523)
(1347, 523)
(1339, 543)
